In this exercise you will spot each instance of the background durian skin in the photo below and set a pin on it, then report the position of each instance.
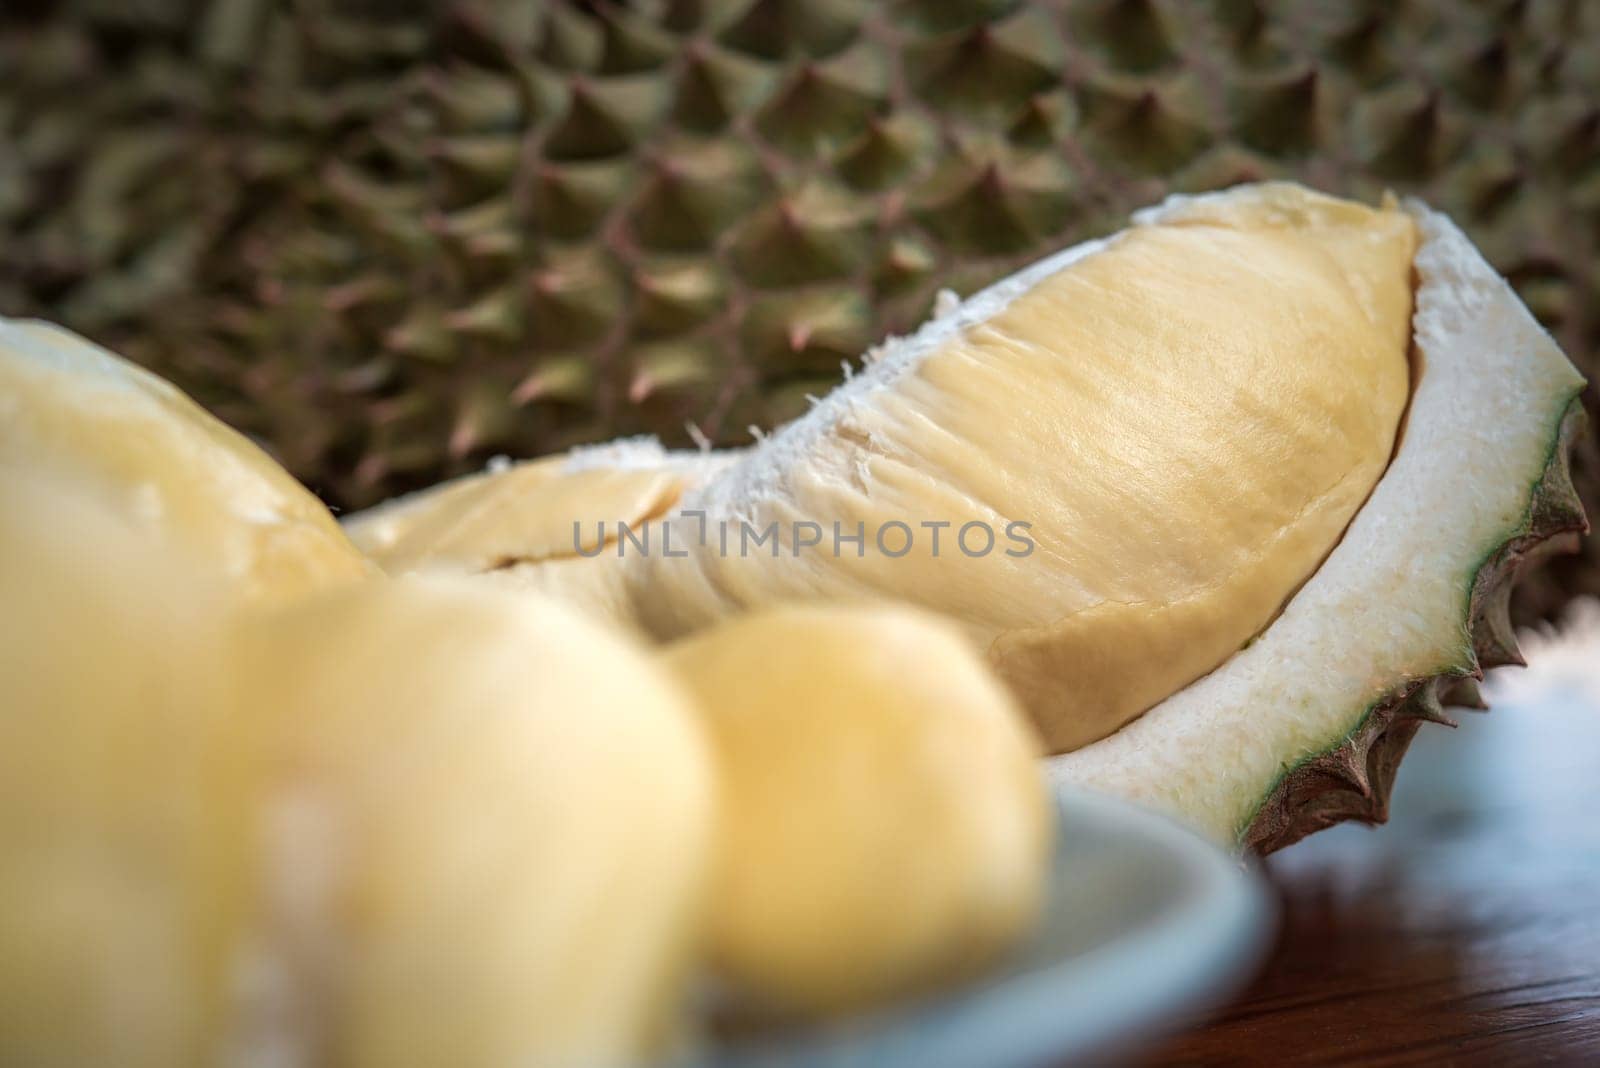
(393, 239)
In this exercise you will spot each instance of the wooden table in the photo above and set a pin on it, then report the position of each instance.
(1467, 930)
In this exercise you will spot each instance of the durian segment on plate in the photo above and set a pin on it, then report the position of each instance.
(1112, 468)
(1126, 887)
(854, 741)
(1307, 726)
(486, 825)
(70, 407)
(407, 822)
(121, 824)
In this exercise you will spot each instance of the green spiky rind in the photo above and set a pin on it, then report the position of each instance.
(393, 240)
(1353, 778)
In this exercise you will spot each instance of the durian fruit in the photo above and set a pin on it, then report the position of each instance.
(1231, 520)
(1317, 712)
(531, 512)
(1133, 473)
(72, 409)
(253, 792)
(396, 823)
(120, 818)
(885, 830)
(393, 240)
(993, 465)
(487, 825)
(535, 526)
(369, 246)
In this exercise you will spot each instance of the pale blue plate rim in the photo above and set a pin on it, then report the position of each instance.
(1134, 987)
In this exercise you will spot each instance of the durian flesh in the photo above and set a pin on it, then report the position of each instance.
(883, 826)
(409, 822)
(120, 825)
(73, 409)
(259, 804)
(538, 526)
(530, 512)
(485, 828)
(1306, 724)
(419, 821)
(1113, 469)
(1186, 416)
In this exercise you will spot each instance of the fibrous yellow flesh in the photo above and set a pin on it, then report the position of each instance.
(546, 526)
(119, 827)
(538, 512)
(853, 742)
(152, 454)
(1393, 604)
(376, 531)
(1187, 417)
(528, 514)
(504, 815)
(325, 833)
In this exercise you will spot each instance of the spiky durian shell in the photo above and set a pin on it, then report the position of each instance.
(1353, 780)
(391, 240)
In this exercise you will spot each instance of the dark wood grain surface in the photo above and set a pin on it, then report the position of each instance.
(1467, 930)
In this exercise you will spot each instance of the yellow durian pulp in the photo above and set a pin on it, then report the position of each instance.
(121, 821)
(520, 515)
(885, 828)
(1186, 416)
(408, 822)
(1113, 469)
(261, 804)
(485, 829)
(547, 527)
(72, 409)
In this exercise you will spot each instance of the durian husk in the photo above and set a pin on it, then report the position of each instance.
(1354, 780)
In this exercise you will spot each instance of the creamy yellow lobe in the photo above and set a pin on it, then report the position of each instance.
(1186, 419)
(74, 410)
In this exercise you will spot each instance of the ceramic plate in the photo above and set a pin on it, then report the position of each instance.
(1145, 924)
